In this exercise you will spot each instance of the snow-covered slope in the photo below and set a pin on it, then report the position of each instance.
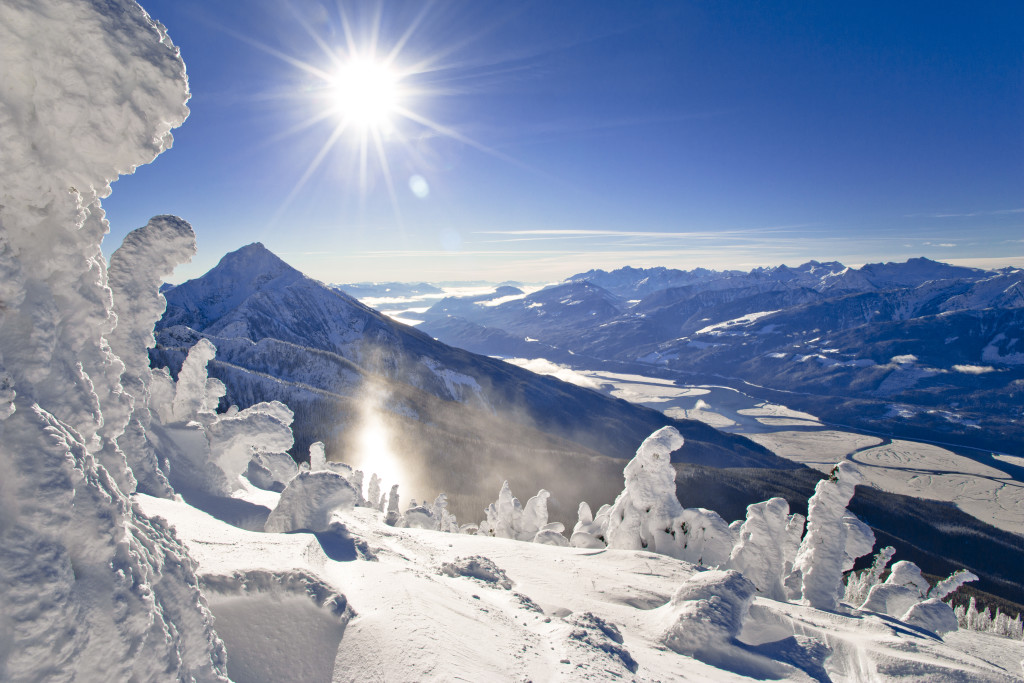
(454, 420)
(431, 606)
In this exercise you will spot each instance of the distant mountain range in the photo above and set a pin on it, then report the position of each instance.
(457, 421)
(920, 348)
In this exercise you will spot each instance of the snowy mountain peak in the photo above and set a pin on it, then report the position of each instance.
(254, 260)
(237, 276)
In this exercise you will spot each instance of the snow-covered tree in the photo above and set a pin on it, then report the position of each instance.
(759, 551)
(589, 532)
(373, 495)
(91, 587)
(859, 584)
(902, 589)
(647, 514)
(393, 516)
(947, 586)
(818, 568)
(507, 518)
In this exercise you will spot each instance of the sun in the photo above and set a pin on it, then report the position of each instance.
(366, 93)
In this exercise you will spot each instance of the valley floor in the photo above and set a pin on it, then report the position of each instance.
(985, 491)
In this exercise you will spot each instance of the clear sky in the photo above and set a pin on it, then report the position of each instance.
(535, 140)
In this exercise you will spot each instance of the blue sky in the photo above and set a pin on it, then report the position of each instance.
(550, 138)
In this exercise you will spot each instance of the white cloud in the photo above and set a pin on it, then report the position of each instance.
(973, 369)
(972, 214)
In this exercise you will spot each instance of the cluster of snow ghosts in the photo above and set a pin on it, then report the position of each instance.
(770, 547)
(91, 587)
(507, 518)
(905, 593)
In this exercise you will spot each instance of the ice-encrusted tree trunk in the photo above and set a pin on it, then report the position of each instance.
(90, 588)
(818, 569)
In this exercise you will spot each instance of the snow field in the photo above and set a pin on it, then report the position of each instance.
(413, 622)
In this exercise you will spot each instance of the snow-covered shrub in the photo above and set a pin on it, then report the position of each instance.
(706, 613)
(859, 584)
(902, 589)
(420, 517)
(818, 568)
(589, 532)
(647, 514)
(203, 450)
(309, 501)
(932, 615)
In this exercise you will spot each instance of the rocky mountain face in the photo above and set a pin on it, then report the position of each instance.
(919, 348)
(457, 421)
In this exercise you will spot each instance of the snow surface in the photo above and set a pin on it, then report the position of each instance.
(559, 620)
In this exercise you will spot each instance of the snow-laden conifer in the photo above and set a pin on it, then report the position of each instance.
(760, 551)
(948, 585)
(818, 567)
(648, 515)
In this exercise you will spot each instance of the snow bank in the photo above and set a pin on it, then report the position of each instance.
(91, 588)
(309, 500)
(477, 567)
(597, 634)
(278, 626)
(707, 612)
